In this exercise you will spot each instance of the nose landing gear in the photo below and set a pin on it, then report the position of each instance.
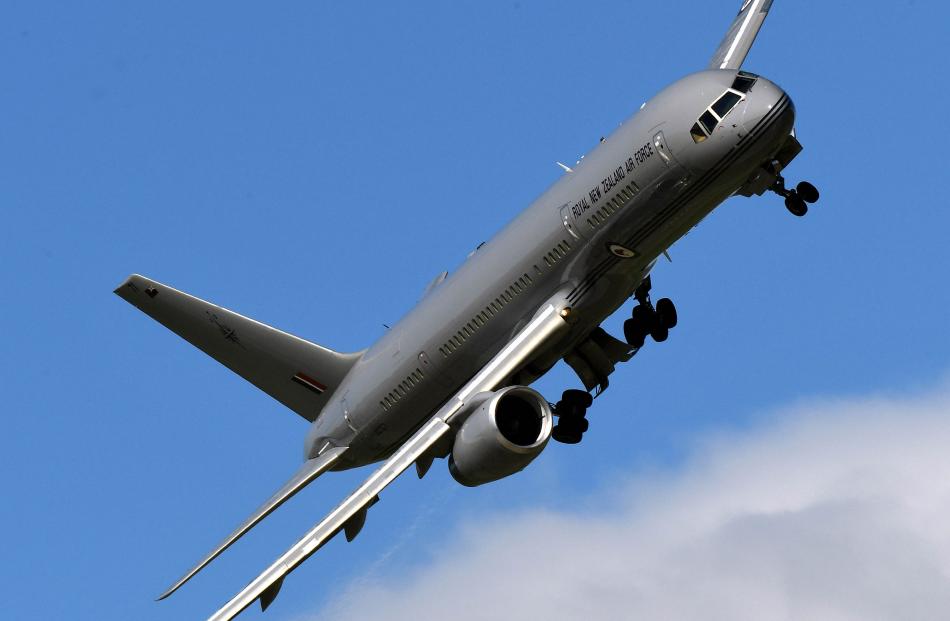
(796, 200)
(649, 320)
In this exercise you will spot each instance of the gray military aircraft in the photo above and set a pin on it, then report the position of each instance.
(450, 380)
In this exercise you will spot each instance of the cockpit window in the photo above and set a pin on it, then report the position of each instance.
(717, 111)
(697, 133)
(708, 121)
(743, 82)
(726, 103)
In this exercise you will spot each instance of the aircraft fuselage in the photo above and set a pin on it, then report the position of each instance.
(589, 240)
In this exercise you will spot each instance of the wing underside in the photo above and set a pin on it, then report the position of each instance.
(741, 35)
(546, 324)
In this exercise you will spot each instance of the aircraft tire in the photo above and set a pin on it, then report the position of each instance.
(796, 205)
(634, 333)
(643, 314)
(807, 192)
(666, 313)
(570, 431)
(566, 410)
(578, 397)
(566, 436)
(660, 334)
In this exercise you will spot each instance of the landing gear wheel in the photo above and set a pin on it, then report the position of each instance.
(666, 313)
(660, 334)
(571, 424)
(796, 205)
(796, 200)
(569, 432)
(807, 192)
(647, 320)
(634, 333)
(643, 314)
(579, 397)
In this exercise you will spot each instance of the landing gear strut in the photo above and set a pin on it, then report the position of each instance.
(649, 320)
(796, 201)
(571, 411)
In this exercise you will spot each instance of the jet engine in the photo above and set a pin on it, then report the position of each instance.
(502, 436)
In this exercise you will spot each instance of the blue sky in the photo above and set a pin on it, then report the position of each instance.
(314, 167)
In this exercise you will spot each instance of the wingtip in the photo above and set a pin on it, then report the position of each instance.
(127, 284)
(168, 592)
(122, 285)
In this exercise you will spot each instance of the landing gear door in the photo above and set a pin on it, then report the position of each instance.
(568, 220)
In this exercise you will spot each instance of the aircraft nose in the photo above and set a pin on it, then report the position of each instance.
(768, 110)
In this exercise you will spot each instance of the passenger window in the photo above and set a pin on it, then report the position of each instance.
(697, 133)
(726, 103)
(708, 121)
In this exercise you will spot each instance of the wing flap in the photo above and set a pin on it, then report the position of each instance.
(741, 35)
(303, 477)
(545, 325)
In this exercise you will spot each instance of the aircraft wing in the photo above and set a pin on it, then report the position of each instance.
(303, 477)
(349, 515)
(741, 35)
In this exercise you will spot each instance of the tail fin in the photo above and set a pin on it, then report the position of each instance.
(298, 373)
(741, 35)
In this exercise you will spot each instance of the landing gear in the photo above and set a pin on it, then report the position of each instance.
(636, 329)
(796, 206)
(797, 200)
(571, 411)
(807, 192)
(647, 320)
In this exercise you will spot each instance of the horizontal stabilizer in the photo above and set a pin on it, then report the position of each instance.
(307, 473)
(298, 373)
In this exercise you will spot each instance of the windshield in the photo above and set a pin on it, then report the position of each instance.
(715, 113)
(743, 82)
(726, 103)
(708, 121)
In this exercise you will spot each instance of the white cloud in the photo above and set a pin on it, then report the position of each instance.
(841, 510)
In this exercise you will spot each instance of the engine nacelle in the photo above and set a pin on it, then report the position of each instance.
(501, 437)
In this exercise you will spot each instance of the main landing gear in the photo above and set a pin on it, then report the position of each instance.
(649, 320)
(571, 411)
(797, 200)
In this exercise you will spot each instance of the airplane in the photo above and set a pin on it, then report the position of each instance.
(451, 379)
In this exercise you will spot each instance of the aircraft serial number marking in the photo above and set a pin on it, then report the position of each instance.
(611, 181)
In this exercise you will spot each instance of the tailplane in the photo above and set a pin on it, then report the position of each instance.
(296, 372)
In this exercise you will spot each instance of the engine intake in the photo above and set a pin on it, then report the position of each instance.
(501, 437)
